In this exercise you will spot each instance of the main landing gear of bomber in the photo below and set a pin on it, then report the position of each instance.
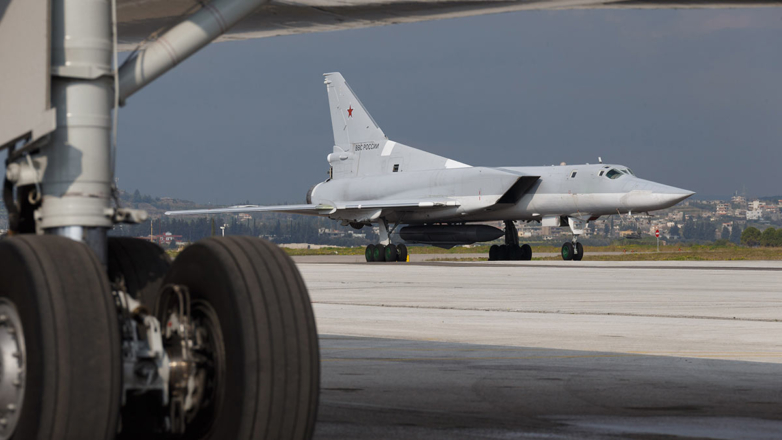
(511, 249)
(386, 253)
(219, 344)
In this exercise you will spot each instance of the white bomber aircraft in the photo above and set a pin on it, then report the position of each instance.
(374, 180)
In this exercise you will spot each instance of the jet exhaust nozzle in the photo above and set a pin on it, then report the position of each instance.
(450, 235)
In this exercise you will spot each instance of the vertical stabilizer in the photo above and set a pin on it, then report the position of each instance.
(350, 121)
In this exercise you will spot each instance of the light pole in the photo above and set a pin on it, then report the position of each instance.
(222, 229)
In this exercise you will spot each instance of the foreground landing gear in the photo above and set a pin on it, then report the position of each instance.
(386, 253)
(60, 342)
(80, 349)
(237, 379)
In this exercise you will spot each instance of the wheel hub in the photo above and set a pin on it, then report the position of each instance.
(13, 361)
(193, 342)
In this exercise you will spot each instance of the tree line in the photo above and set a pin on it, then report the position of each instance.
(702, 230)
(279, 228)
(769, 237)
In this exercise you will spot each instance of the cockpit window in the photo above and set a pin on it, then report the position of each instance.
(601, 173)
(613, 173)
(629, 171)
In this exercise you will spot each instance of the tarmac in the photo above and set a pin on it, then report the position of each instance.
(546, 349)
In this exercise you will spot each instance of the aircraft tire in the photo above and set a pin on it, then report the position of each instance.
(253, 304)
(140, 264)
(504, 253)
(369, 253)
(515, 253)
(579, 252)
(567, 251)
(401, 253)
(59, 315)
(494, 251)
(379, 253)
(391, 253)
(526, 252)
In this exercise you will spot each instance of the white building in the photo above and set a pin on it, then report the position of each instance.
(754, 215)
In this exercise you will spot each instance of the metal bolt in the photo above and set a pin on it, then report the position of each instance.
(3, 319)
(11, 331)
(17, 354)
(3, 421)
(17, 382)
(11, 407)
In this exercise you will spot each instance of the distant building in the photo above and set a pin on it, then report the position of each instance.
(741, 200)
(754, 215)
(722, 208)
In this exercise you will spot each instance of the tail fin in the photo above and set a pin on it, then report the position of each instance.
(351, 122)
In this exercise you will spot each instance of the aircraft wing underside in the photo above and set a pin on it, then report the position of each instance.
(140, 18)
(328, 210)
(292, 209)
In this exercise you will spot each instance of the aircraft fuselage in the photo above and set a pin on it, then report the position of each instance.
(572, 190)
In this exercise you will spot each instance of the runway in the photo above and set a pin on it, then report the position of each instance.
(549, 350)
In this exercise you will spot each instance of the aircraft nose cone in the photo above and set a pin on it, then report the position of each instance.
(668, 196)
(651, 196)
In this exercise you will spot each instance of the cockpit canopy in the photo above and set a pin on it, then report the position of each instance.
(615, 173)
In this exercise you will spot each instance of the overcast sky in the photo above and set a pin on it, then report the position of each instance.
(690, 98)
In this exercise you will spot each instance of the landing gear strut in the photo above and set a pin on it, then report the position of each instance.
(511, 249)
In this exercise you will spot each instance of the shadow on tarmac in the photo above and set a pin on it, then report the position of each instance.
(399, 389)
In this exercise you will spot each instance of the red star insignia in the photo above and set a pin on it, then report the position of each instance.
(350, 111)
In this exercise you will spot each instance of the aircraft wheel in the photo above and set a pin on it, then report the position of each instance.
(515, 253)
(61, 370)
(256, 345)
(138, 265)
(379, 253)
(504, 252)
(579, 252)
(567, 251)
(526, 252)
(391, 253)
(369, 253)
(494, 251)
(401, 253)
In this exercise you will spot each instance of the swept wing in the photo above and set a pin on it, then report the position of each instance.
(323, 209)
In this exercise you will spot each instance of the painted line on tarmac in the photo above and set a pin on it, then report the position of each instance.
(551, 266)
(465, 358)
(545, 312)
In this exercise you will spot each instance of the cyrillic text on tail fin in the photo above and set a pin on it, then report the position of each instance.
(350, 120)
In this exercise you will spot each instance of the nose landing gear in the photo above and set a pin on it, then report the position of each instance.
(574, 250)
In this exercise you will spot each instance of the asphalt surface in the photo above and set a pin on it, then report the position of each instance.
(592, 350)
